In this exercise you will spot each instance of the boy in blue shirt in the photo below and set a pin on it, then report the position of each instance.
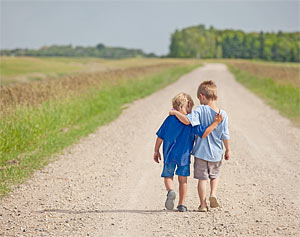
(208, 151)
(178, 141)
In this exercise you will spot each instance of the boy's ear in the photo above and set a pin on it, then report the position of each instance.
(216, 98)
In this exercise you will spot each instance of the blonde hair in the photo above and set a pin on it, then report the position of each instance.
(181, 100)
(208, 89)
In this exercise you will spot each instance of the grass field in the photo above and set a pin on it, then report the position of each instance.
(71, 97)
(24, 69)
(41, 118)
(277, 83)
(28, 69)
(283, 73)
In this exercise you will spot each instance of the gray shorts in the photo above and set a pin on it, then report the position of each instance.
(205, 170)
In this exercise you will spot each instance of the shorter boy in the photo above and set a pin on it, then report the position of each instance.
(208, 151)
(178, 141)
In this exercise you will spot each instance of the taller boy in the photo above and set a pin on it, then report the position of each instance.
(208, 152)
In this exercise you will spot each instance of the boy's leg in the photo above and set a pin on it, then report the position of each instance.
(168, 183)
(171, 195)
(182, 189)
(183, 172)
(201, 173)
(213, 202)
(214, 172)
(213, 186)
(168, 173)
(202, 192)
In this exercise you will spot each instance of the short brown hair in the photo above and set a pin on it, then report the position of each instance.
(208, 89)
(181, 100)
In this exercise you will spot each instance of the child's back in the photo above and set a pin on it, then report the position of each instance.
(178, 141)
(208, 152)
(209, 148)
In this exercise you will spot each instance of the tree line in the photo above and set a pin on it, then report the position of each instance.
(199, 42)
(99, 50)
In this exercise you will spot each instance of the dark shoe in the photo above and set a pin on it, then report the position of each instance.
(169, 204)
(181, 208)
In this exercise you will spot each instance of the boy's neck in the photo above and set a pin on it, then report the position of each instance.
(182, 110)
(212, 104)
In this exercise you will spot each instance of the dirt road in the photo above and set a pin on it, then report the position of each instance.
(109, 185)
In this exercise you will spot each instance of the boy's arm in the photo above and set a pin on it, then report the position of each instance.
(204, 131)
(225, 137)
(157, 156)
(227, 147)
(181, 117)
(217, 119)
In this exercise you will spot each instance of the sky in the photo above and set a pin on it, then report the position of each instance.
(145, 25)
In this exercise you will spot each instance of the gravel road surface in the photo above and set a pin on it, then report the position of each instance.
(108, 184)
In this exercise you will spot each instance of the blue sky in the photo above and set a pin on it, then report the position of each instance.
(146, 25)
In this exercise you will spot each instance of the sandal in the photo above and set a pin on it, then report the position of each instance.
(213, 202)
(203, 209)
(181, 208)
(169, 204)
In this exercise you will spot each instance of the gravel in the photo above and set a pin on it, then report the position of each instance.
(108, 184)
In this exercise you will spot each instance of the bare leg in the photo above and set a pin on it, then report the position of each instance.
(202, 192)
(213, 187)
(168, 183)
(182, 189)
(171, 195)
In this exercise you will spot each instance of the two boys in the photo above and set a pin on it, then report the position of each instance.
(178, 136)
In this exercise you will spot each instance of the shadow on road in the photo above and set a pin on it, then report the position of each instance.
(106, 211)
(100, 211)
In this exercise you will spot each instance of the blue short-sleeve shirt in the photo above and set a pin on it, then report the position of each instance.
(209, 148)
(178, 140)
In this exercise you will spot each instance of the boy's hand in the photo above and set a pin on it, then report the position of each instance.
(172, 112)
(218, 118)
(157, 156)
(227, 155)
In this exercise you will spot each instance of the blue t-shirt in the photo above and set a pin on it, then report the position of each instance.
(178, 140)
(209, 148)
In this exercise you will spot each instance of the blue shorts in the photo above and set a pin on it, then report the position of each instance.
(169, 169)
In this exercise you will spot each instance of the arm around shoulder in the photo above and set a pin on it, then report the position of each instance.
(218, 119)
(181, 117)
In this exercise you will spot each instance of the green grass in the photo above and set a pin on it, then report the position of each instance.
(80, 60)
(30, 136)
(13, 66)
(283, 97)
(285, 64)
(26, 69)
